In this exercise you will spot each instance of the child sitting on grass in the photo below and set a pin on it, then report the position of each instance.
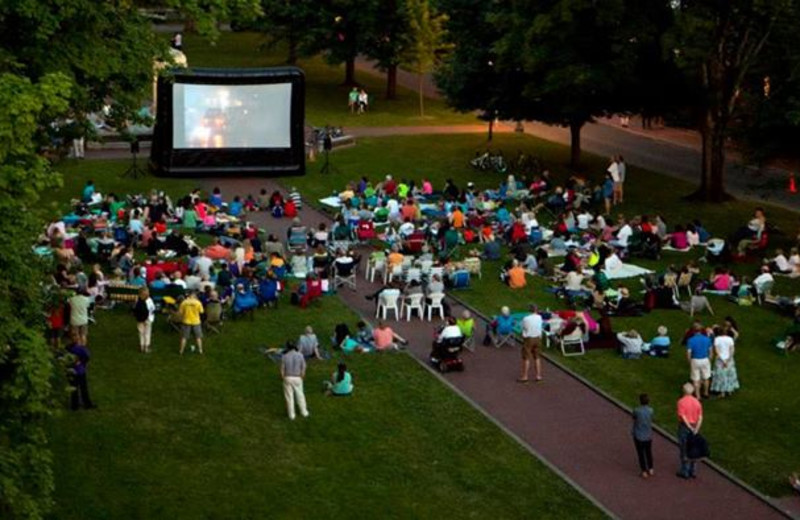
(659, 345)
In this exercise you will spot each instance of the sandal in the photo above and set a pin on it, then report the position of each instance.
(523, 381)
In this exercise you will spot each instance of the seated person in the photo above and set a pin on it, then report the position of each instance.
(612, 262)
(573, 285)
(515, 276)
(308, 344)
(780, 264)
(697, 303)
(630, 344)
(503, 324)
(385, 338)
(216, 251)
(450, 331)
(659, 345)
(244, 300)
(763, 279)
(466, 323)
(721, 280)
(491, 250)
(364, 335)
(341, 382)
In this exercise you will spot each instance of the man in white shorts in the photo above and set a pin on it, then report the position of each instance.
(698, 353)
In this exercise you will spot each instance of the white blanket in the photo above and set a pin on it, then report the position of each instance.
(331, 202)
(626, 271)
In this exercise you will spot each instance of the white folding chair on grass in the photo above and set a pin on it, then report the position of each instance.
(571, 341)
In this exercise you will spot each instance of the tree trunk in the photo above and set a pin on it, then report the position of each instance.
(291, 58)
(575, 143)
(421, 97)
(391, 82)
(712, 171)
(491, 130)
(350, 72)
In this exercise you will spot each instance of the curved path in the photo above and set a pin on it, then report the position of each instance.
(581, 434)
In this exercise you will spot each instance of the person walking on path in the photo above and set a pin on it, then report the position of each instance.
(190, 311)
(698, 353)
(643, 435)
(531, 342)
(690, 419)
(145, 313)
(293, 370)
(77, 377)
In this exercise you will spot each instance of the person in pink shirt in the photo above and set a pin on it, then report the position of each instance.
(721, 280)
(427, 187)
(385, 338)
(678, 239)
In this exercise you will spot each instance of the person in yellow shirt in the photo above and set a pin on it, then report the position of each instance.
(190, 311)
(516, 276)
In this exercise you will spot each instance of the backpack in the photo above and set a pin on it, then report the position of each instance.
(140, 311)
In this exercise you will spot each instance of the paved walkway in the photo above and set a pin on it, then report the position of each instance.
(578, 431)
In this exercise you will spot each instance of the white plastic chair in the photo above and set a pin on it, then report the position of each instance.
(411, 303)
(573, 339)
(763, 291)
(388, 302)
(414, 275)
(425, 266)
(375, 265)
(436, 271)
(395, 272)
(435, 303)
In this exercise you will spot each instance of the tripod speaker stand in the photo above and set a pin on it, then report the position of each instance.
(327, 145)
(134, 171)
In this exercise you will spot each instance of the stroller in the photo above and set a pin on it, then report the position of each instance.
(445, 355)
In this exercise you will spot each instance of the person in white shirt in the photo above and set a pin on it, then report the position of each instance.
(613, 170)
(725, 378)
(630, 344)
(405, 229)
(764, 278)
(203, 265)
(531, 341)
(584, 219)
(622, 170)
(451, 330)
(177, 280)
(612, 263)
(623, 235)
(780, 263)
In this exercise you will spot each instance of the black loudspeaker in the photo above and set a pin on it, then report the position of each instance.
(327, 143)
(135, 146)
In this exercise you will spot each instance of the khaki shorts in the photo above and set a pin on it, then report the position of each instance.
(187, 331)
(530, 348)
(700, 369)
(80, 330)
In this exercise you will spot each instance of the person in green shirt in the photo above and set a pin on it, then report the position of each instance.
(341, 383)
(352, 99)
(189, 217)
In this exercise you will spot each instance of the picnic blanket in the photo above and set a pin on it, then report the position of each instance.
(626, 271)
(331, 202)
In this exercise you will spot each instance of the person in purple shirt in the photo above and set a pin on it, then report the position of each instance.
(77, 378)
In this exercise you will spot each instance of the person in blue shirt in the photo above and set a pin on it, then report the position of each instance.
(341, 383)
(235, 208)
(698, 353)
(503, 325)
(139, 279)
(216, 198)
(659, 345)
(88, 191)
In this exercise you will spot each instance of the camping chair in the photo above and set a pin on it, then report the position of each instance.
(763, 291)
(214, 314)
(467, 328)
(473, 266)
(573, 339)
(366, 231)
(435, 303)
(297, 240)
(500, 338)
(175, 319)
(411, 303)
(387, 302)
(313, 291)
(684, 281)
(268, 292)
(344, 274)
(458, 279)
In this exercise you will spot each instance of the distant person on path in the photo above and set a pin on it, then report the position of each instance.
(352, 100)
(690, 419)
(613, 170)
(293, 371)
(177, 41)
(643, 435)
(531, 343)
(698, 353)
(363, 101)
(190, 311)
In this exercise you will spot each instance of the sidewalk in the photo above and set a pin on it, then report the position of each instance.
(570, 426)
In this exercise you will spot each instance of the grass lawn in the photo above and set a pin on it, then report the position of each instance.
(326, 98)
(768, 398)
(207, 436)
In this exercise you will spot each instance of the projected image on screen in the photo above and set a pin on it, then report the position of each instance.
(231, 116)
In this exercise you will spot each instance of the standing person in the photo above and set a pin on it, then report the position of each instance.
(698, 353)
(643, 435)
(79, 305)
(363, 101)
(352, 100)
(622, 169)
(293, 370)
(177, 41)
(690, 419)
(190, 311)
(77, 376)
(531, 342)
(726, 380)
(145, 312)
(613, 170)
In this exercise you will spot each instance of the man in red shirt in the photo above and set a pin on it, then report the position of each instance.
(690, 419)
